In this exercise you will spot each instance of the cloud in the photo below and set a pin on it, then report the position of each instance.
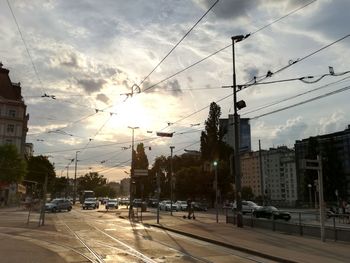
(102, 97)
(228, 9)
(331, 123)
(172, 86)
(91, 85)
(175, 87)
(292, 130)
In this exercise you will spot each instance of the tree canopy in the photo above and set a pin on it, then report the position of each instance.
(12, 167)
(91, 181)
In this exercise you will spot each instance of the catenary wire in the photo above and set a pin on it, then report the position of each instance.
(178, 43)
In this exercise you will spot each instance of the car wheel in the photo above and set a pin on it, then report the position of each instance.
(69, 208)
(83, 208)
(54, 210)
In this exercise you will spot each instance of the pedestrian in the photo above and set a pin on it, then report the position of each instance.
(1, 201)
(189, 208)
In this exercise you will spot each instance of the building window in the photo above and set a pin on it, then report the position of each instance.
(8, 141)
(10, 128)
(12, 113)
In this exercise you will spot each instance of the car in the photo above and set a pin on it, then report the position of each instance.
(271, 212)
(162, 204)
(124, 201)
(111, 203)
(181, 205)
(198, 206)
(247, 206)
(137, 203)
(104, 200)
(58, 204)
(152, 202)
(91, 202)
(170, 206)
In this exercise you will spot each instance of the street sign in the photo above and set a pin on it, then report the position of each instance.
(310, 164)
(165, 134)
(140, 172)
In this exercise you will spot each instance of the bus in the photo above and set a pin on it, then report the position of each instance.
(85, 194)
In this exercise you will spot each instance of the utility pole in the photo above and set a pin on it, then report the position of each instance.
(75, 178)
(216, 191)
(132, 169)
(158, 195)
(42, 212)
(261, 175)
(171, 179)
(237, 106)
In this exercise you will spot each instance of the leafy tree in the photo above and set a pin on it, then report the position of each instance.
(210, 138)
(60, 187)
(105, 190)
(247, 193)
(333, 174)
(142, 184)
(91, 181)
(214, 149)
(12, 167)
(38, 168)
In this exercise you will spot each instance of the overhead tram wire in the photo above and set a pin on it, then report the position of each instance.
(270, 74)
(25, 45)
(226, 47)
(294, 96)
(302, 102)
(178, 43)
(246, 85)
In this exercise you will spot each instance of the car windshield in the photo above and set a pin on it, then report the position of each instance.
(55, 201)
(272, 208)
(112, 201)
(90, 199)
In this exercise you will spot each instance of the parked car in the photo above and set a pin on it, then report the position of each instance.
(181, 205)
(271, 212)
(111, 203)
(91, 203)
(163, 203)
(170, 206)
(137, 203)
(57, 205)
(152, 202)
(198, 206)
(247, 206)
(124, 201)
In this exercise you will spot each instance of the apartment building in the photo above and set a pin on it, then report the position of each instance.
(13, 116)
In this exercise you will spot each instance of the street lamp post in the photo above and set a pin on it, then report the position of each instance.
(171, 179)
(310, 198)
(75, 178)
(132, 168)
(216, 191)
(236, 106)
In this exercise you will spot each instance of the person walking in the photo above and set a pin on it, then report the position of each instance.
(189, 208)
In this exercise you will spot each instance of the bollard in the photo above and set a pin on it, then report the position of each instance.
(335, 230)
(300, 226)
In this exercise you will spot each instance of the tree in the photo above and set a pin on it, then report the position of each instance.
(247, 193)
(142, 184)
(12, 167)
(210, 138)
(105, 190)
(38, 168)
(91, 181)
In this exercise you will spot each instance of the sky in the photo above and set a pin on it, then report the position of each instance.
(76, 60)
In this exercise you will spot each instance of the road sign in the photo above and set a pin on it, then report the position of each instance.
(310, 164)
(165, 134)
(140, 172)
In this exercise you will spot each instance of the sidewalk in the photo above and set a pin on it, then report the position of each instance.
(17, 248)
(272, 245)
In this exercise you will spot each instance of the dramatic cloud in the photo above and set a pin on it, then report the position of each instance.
(91, 85)
(102, 97)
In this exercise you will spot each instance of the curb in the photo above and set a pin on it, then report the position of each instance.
(219, 243)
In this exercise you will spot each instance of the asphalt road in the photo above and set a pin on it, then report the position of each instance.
(100, 236)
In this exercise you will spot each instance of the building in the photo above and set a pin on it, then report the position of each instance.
(227, 127)
(13, 128)
(340, 144)
(278, 180)
(13, 117)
